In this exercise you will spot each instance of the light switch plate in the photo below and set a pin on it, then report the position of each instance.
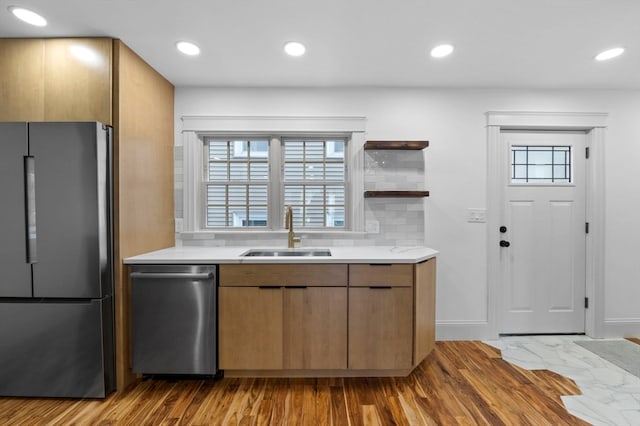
(477, 215)
(178, 225)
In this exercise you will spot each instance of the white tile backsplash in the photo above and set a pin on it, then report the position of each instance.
(401, 219)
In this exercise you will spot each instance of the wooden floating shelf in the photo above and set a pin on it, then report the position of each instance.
(395, 194)
(412, 145)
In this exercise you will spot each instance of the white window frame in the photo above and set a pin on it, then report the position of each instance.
(195, 128)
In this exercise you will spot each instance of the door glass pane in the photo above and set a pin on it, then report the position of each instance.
(540, 164)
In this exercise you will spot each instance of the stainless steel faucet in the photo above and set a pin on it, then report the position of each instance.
(288, 223)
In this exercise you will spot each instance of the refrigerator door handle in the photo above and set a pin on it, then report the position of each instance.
(30, 201)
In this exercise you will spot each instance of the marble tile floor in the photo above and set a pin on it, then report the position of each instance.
(610, 395)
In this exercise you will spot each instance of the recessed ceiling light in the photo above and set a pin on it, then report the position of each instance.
(293, 48)
(441, 51)
(609, 54)
(27, 16)
(188, 48)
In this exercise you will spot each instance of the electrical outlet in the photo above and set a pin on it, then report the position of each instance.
(178, 225)
(372, 227)
(476, 215)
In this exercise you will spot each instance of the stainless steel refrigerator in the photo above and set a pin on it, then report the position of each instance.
(56, 262)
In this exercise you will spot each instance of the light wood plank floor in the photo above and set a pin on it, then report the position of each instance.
(460, 383)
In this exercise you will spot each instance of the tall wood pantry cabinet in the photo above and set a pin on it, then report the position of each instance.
(101, 79)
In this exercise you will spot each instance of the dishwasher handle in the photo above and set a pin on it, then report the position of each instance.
(172, 275)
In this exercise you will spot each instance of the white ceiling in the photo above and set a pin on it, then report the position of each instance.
(499, 43)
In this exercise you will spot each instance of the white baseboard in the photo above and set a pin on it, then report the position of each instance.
(464, 330)
(621, 327)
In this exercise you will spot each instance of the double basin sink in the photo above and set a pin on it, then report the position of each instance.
(286, 252)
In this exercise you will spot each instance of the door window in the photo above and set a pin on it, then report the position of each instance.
(540, 164)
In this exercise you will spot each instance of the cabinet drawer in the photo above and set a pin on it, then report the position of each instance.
(278, 275)
(372, 275)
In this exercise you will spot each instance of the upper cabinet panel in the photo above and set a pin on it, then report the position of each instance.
(22, 79)
(78, 79)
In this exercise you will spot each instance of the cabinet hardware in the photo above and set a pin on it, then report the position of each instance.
(172, 275)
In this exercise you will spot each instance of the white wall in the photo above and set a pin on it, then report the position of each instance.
(454, 122)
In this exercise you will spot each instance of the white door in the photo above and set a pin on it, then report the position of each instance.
(543, 241)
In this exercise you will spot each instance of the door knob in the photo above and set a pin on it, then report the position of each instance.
(504, 243)
(503, 229)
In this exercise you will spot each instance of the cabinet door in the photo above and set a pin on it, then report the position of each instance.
(315, 328)
(77, 79)
(250, 328)
(425, 306)
(380, 328)
(22, 79)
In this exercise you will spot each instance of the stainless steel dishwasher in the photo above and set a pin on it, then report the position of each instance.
(174, 319)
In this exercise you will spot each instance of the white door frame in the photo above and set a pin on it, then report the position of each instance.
(594, 125)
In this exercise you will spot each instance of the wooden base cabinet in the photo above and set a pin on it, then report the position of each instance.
(424, 310)
(325, 319)
(380, 328)
(270, 319)
(381, 316)
(315, 328)
(250, 328)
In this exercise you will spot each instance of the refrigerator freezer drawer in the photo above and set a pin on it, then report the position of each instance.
(56, 349)
(173, 319)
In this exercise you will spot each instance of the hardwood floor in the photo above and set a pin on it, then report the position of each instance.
(460, 383)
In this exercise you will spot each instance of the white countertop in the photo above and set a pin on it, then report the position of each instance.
(216, 255)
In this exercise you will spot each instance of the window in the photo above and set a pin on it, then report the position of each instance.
(217, 196)
(540, 164)
(314, 182)
(237, 182)
(240, 182)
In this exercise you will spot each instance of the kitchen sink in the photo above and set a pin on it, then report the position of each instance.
(287, 252)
